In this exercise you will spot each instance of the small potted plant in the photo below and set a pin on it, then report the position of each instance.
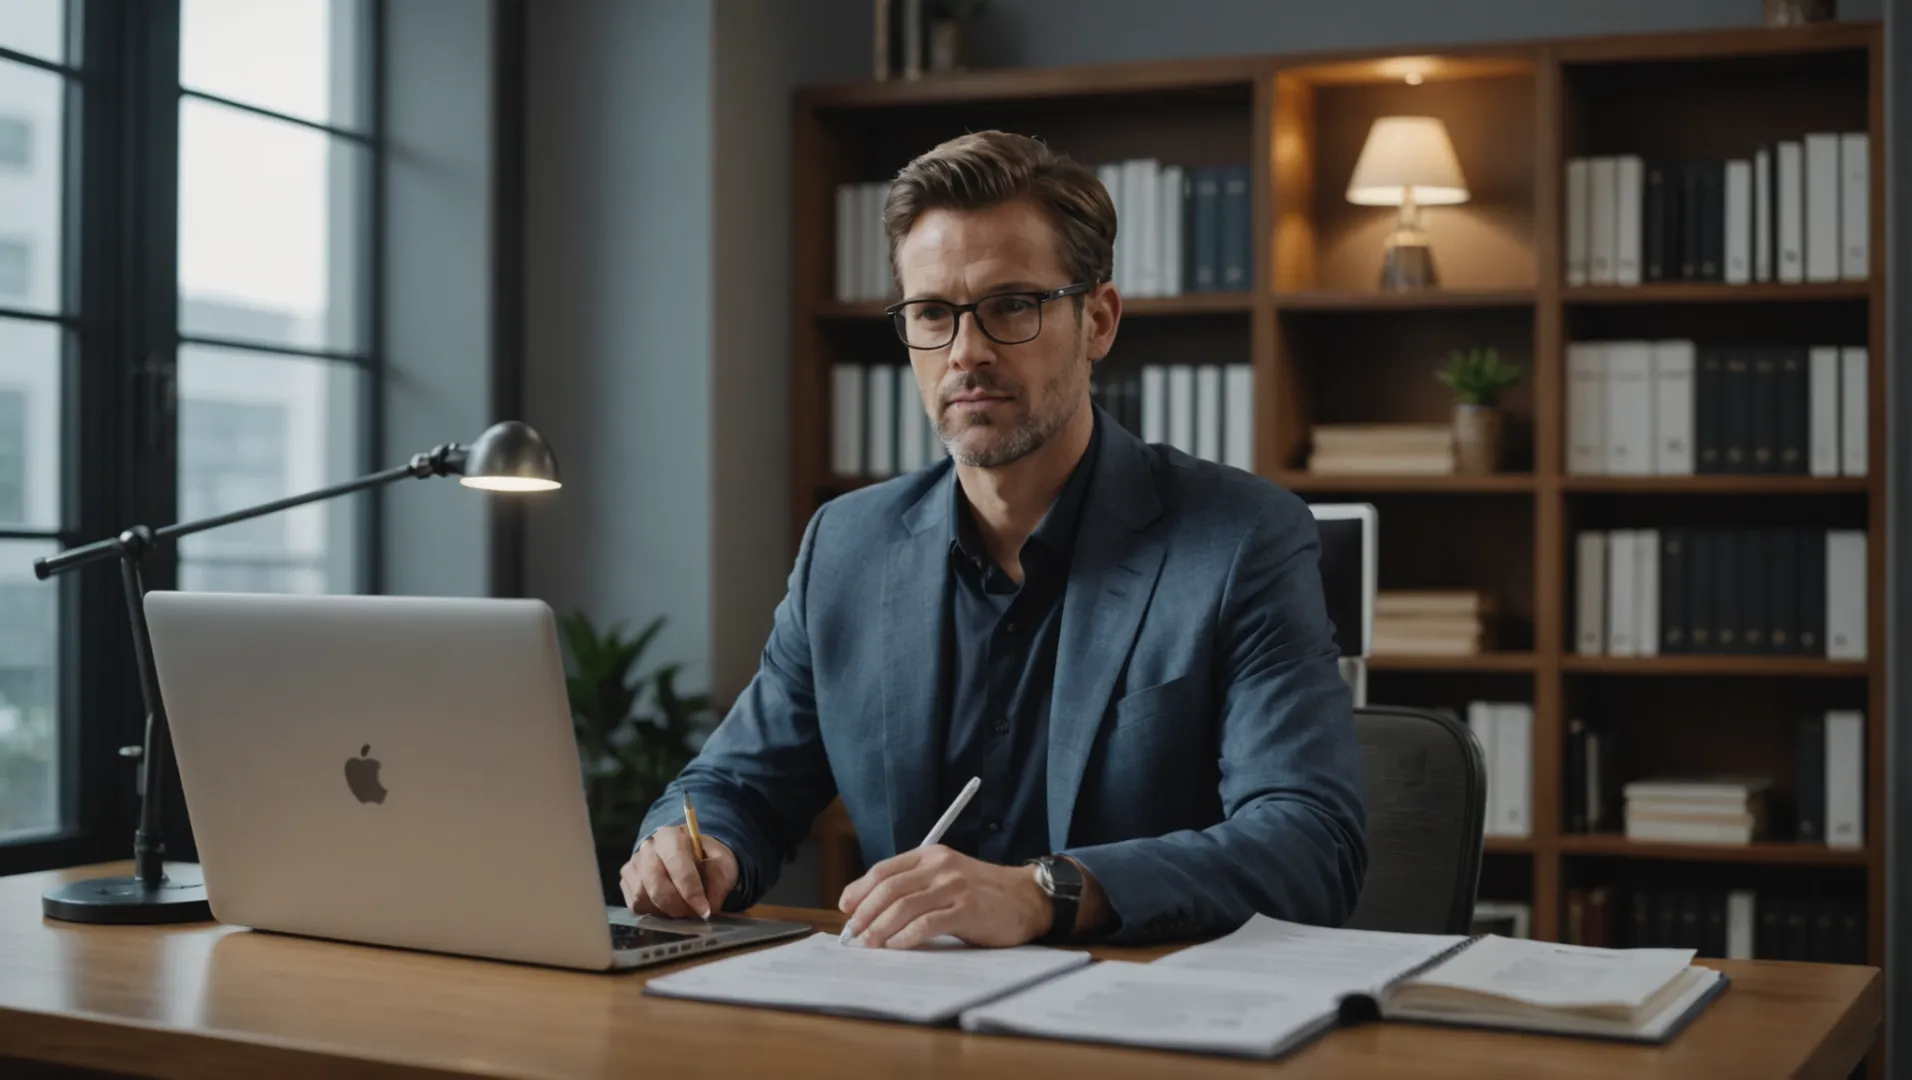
(1478, 377)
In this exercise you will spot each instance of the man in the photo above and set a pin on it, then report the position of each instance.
(1126, 645)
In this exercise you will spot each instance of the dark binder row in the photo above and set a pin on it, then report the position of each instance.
(1589, 756)
(1743, 590)
(1751, 409)
(1819, 929)
(1683, 221)
(1217, 231)
(1119, 392)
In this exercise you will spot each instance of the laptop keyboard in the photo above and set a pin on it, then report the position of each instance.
(626, 936)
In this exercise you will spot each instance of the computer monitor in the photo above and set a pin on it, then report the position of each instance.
(1348, 572)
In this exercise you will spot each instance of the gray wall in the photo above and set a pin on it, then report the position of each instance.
(618, 371)
(438, 263)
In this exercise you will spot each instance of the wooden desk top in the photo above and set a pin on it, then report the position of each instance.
(205, 1000)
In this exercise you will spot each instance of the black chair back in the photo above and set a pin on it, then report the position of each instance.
(1426, 814)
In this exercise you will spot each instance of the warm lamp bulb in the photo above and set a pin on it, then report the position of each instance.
(509, 483)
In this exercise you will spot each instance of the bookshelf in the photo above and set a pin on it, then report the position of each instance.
(1327, 347)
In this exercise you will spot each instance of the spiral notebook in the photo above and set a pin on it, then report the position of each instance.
(1273, 986)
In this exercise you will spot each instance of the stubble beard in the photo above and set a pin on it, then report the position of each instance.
(1030, 432)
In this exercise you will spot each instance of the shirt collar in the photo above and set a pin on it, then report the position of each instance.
(1055, 533)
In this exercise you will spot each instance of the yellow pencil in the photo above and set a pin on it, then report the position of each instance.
(690, 822)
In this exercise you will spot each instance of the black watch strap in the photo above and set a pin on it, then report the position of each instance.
(1061, 879)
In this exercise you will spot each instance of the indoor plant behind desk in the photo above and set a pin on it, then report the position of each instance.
(1478, 377)
(635, 732)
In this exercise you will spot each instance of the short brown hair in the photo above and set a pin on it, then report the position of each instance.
(988, 168)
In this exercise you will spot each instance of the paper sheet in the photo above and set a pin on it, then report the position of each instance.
(1336, 961)
(1173, 1008)
(927, 985)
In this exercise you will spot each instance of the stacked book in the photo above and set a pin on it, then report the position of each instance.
(1341, 449)
(1180, 230)
(1674, 408)
(1792, 210)
(1788, 589)
(1445, 622)
(1697, 810)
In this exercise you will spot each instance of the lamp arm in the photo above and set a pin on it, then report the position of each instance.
(446, 459)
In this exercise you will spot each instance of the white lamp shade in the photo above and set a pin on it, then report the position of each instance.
(1405, 152)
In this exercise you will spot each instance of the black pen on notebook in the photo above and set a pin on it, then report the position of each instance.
(936, 831)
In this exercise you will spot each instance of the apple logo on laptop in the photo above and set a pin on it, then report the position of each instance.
(361, 775)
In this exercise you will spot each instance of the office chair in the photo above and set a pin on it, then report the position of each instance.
(1426, 814)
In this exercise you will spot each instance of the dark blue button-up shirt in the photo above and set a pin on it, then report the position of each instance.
(1000, 660)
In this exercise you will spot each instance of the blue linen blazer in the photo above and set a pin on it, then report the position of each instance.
(1202, 761)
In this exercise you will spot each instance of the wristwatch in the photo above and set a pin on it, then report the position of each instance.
(1061, 880)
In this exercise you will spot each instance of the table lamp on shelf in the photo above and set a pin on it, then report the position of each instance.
(1409, 162)
(508, 457)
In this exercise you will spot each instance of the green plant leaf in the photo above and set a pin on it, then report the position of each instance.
(634, 728)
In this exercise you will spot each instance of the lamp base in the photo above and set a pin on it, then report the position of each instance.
(1408, 267)
(180, 898)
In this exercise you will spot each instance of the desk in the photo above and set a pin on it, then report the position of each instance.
(208, 1000)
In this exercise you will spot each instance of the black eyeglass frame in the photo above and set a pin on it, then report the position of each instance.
(895, 312)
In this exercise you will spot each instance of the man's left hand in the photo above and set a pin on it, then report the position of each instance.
(905, 901)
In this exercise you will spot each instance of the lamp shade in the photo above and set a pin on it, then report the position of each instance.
(1405, 152)
(510, 456)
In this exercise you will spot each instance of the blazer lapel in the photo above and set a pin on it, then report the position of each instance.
(915, 576)
(1113, 575)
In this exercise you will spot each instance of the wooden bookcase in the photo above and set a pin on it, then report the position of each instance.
(1327, 347)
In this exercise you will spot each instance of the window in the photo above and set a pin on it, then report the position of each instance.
(140, 393)
(274, 203)
(16, 143)
(14, 268)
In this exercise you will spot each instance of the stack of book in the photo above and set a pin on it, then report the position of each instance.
(1786, 589)
(1792, 210)
(1445, 622)
(1697, 810)
(1674, 408)
(1183, 230)
(1426, 449)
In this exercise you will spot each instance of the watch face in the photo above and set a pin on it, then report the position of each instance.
(1045, 878)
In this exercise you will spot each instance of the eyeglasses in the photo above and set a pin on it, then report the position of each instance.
(1009, 318)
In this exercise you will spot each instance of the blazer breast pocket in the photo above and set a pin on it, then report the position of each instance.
(1176, 696)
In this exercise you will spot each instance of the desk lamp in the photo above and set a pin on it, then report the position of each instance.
(1409, 162)
(508, 457)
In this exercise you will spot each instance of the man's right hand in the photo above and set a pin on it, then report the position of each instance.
(663, 877)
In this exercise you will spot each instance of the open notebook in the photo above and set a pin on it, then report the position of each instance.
(1272, 986)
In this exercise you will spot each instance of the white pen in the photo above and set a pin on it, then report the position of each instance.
(936, 831)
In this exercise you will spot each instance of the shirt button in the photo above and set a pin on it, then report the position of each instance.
(1001, 727)
(1013, 627)
(994, 826)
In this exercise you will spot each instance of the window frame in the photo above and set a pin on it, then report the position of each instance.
(119, 376)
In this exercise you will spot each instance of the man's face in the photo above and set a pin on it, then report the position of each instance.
(992, 403)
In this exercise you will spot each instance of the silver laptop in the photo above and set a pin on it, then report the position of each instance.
(397, 771)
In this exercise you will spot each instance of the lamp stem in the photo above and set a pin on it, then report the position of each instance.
(1410, 211)
(149, 839)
